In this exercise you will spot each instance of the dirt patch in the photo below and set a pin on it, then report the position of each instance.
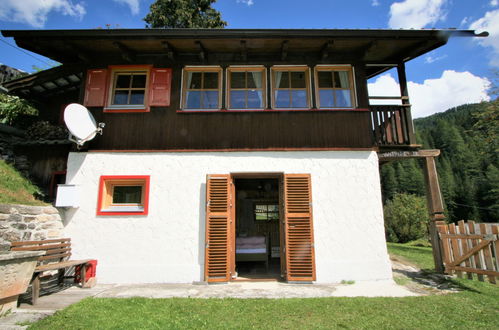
(418, 281)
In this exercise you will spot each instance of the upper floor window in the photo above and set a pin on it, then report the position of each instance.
(129, 88)
(290, 87)
(202, 88)
(246, 88)
(334, 87)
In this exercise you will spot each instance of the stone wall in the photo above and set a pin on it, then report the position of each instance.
(23, 223)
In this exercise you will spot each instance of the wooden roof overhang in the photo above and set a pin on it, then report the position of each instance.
(45, 84)
(378, 49)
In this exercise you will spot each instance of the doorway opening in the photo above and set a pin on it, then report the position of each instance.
(257, 228)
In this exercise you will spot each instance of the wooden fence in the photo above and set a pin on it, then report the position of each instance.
(470, 248)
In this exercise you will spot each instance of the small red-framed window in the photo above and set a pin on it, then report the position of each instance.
(123, 195)
(128, 88)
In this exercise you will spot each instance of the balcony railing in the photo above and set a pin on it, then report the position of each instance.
(392, 125)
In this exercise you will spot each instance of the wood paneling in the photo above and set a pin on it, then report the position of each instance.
(164, 128)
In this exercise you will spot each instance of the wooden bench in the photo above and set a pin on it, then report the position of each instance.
(57, 253)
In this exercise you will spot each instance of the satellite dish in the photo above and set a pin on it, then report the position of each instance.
(81, 124)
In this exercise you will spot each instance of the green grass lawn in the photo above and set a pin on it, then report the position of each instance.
(419, 256)
(477, 306)
(14, 188)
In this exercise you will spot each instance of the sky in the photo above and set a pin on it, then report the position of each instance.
(460, 72)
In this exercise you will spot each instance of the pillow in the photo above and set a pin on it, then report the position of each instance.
(251, 240)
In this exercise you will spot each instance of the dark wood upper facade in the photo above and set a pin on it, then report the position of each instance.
(170, 127)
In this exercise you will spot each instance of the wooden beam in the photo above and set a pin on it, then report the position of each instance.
(126, 53)
(370, 47)
(169, 50)
(435, 204)
(80, 53)
(244, 50)
(328, 46)
(399, 155)
(435, 208)
(405, 101)
(202, 50)
(284, 50)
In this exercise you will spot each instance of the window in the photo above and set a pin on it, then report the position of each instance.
(202, 88)
(246, 88)
(128, 88)
(123, 195)
(290, 87)
(334, 87)
(266, 211)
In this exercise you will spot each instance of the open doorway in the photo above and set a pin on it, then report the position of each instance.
(257, 229)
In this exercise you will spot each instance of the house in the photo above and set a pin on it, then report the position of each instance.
(231, 154)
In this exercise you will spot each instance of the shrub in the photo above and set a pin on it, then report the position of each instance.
(406, 218)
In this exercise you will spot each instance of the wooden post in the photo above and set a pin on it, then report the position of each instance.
(435, 208)
(405, 101)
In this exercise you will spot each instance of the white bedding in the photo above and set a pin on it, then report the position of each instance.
(247, 251)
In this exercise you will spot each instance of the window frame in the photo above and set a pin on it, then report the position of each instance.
(308, 85)
(351, 79)
(267, 203)
(202, 68)
(245, 68)
(107, 183)
(114, 71)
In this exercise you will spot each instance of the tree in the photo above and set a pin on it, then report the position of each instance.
(406, 218)
(12, 106)
(184, 14)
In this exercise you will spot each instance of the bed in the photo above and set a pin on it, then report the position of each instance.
(252, 248)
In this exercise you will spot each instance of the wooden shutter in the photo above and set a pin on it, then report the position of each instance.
(159, 87)
(217, 261)
(95, 88)
(299, 231)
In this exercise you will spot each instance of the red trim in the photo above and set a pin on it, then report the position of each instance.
(273, 110)
(112, 110)
(105, 178)
(235, 150)
(52, 182)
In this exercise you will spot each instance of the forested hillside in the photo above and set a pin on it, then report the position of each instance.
(468, 166)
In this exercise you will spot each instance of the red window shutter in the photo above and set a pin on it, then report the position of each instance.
(95, 88)
(299, 231)
(159, 87)
(217, 261)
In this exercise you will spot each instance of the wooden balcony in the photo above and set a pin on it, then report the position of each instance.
(393, 127)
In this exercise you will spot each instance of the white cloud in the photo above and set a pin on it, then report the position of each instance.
(430, 59)
(248, 2)
(464, 21)
(489, 23)
(35, 12)
(434, 95)
(416, 13)
(375, 3)
(494, 3)
(133, 4)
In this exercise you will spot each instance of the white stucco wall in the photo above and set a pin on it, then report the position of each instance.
(167, 246)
